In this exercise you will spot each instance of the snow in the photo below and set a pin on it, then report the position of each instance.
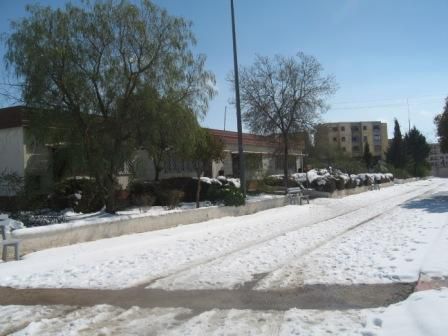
(391, 248)
(421, 314)
(10, 224)
(109, 320)
(221, 253)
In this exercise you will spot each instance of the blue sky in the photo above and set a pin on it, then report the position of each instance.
(381, 52)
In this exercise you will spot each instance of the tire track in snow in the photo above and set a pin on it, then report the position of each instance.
(184, 278)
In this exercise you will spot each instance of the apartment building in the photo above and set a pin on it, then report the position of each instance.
(351, 137)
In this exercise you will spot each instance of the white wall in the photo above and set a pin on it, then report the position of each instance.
(12, 154)
(12, 151)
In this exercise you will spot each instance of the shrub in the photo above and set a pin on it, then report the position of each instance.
(233, 197)
(170, 198)
(81, 194)
(340, 183)
(38, 218)
(142, 193)
(215, 194)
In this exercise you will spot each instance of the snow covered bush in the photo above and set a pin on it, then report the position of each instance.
(38, 218)
(142, 193)
(233, 197)
(80, 194)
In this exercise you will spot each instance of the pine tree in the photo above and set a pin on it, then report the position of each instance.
(396, 155)
(441, 122)
(418, 150)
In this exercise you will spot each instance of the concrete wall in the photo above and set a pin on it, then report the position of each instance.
(39, 238)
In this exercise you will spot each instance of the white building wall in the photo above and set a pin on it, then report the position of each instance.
(12, 150)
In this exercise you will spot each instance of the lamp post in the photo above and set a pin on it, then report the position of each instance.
(238, 108)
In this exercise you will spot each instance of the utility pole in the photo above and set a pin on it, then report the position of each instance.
(225, 117)
(241, 166)
(409, 116)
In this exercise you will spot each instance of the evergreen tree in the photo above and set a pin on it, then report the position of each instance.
(418, 150)
(441, 122)
(367, 156)
(396, 155)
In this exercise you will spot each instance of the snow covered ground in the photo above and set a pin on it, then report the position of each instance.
(398, 234)
(422, 314)
(227, 252)
(222, 253)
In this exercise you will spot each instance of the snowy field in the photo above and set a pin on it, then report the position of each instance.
(227, 252)
(423, 313)
(396, 235)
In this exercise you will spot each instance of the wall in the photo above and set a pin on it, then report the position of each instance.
(39, 238)
(12, 153)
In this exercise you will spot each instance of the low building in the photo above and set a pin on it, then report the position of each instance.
(351, 137)
(438, 161)
(21, 154)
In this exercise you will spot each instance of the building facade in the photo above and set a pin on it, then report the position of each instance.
(351, 137)
(21, 154)
(438, 161)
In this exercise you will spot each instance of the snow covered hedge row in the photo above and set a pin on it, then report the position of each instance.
(331, 180)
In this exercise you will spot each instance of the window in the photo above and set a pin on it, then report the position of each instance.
(376, 138)
(376, 127)
(377, 148)
(335, 139)
(342, 128)
(335, 129)
(355, 148)
(253, 161)
(355, 128)
(355, 139)
(343, 139)
(365, 138)
(364, 128)
(291, 162)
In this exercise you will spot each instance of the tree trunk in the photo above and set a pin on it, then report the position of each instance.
(198, 190)
(110, 196)
(285, 162)
(157, 169)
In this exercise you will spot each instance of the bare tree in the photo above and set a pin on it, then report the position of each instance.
(283, 96)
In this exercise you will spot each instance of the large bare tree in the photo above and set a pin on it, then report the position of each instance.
(282, 96)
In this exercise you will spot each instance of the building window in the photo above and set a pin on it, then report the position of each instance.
(365, 138)
(343, 139)
(376, 138)
(364, 128)
(335, 129)
(355, 139)
(335, 140)
(355, 148)
(377, 148)
(376, 127)
(291, 162)
(342, 128)
(253, 161)
(355, 128)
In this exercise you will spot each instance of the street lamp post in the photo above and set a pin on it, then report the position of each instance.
(238, 108)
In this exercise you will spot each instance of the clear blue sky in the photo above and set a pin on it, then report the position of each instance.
(381, 52)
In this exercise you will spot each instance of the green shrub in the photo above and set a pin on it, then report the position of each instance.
(233, 197)
(170, 198)
(142, 193)
(215, 194)
(81, 194)
(340, 183)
